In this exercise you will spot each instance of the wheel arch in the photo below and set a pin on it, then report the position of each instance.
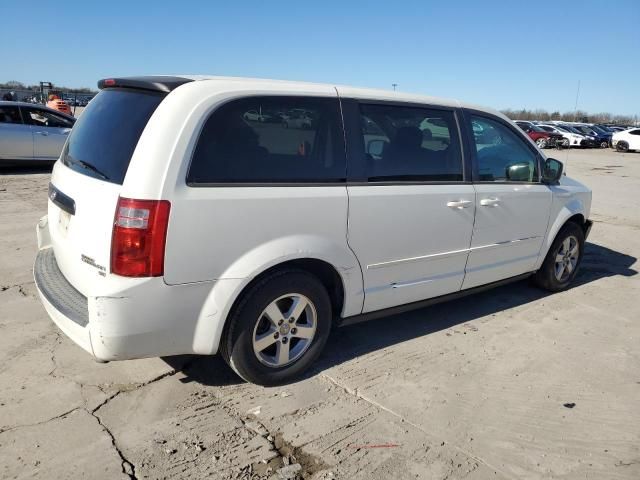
(573, 211)
(336, 268)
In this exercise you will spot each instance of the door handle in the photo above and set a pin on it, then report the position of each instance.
(43, 133)
(459, 204)
(490, 202)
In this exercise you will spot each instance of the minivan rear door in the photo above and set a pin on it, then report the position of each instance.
(86, 182)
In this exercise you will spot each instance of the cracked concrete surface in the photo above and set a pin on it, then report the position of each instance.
(471, 389)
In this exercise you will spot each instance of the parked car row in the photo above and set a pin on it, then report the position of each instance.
(295, 118)
(585, 135)
(77, 101)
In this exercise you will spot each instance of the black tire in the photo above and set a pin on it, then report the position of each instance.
(237, 342)
(622, 146)
(604, 144)
(541, 143)
(546, 277)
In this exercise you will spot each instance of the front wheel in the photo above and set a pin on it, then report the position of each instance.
(561, 264)
(279, 328)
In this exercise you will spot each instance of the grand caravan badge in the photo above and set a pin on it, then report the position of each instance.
(92, 262)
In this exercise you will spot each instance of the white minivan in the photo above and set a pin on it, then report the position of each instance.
(180, 223)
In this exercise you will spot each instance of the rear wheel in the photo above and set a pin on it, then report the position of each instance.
(541, 142)
(279, 328)
(622, 146)
(604, 144)
(561, 264)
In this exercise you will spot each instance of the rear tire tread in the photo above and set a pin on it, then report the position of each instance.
(229, 347)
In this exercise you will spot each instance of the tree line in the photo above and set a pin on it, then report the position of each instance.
(575, 116)
(15, 85)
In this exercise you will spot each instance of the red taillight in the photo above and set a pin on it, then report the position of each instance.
(109, 82)
(139, 235)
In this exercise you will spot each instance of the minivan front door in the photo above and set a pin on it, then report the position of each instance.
(411, 217)
(512, 209)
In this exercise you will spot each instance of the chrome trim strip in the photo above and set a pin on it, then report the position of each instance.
(500, 264)
(437, 256)
(411, 283)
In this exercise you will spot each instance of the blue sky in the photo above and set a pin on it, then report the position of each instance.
(503, 54)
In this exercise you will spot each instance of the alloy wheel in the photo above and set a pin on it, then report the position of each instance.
(285, 330)
(567, 258)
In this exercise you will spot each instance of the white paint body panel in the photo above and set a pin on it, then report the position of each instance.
(410, 244)
(508, 232)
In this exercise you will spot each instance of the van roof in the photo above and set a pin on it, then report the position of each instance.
(167, 83)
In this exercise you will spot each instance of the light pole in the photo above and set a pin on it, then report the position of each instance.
(394, 85)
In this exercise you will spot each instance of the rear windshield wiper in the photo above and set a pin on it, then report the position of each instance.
(88, 166)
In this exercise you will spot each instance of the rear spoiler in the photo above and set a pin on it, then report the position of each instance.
(155, 83)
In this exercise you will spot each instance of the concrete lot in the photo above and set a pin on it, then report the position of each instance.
(513, 383)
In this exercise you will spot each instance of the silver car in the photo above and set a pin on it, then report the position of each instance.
(31, 132)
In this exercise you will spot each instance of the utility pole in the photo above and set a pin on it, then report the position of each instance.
(394, 85)
(575, 108)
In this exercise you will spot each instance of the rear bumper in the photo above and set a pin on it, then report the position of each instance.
(65, 305)
(147, 318)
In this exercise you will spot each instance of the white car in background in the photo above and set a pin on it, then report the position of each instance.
(627, 140)
(574, 139)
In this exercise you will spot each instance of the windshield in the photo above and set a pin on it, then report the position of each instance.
(583, 130)
(570, 129)
(599, 129)
(106, 134)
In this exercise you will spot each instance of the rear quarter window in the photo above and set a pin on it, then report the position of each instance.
(106, 134)
(270, 140)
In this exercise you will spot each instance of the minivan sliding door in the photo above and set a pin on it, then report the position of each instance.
(410, 212)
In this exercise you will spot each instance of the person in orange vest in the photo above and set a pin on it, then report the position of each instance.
(57, 104)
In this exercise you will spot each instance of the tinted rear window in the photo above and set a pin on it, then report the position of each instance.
(271, 140)
(107, 132)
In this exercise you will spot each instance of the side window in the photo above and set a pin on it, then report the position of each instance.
(10, 115)
(502, 155)
(635, 132)
(43, 118)
(410, 144)
(271, 139)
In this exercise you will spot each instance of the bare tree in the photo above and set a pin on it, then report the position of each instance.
(572, 116)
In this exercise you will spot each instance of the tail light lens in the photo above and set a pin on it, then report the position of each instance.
(139, 237)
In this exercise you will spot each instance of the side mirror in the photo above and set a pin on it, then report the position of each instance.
(375, 147)
(552, 171)
(519, 172)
